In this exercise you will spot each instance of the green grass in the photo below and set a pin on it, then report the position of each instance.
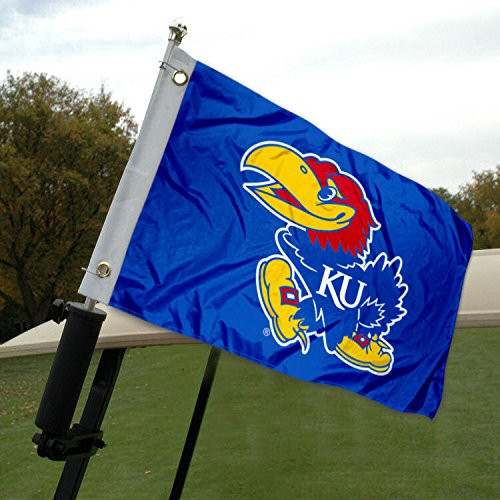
(266, 435)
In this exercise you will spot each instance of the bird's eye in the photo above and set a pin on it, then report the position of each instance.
(327, 193)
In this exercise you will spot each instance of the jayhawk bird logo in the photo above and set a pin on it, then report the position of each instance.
(321, 282)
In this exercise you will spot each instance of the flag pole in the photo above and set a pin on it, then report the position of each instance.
(77, 444)
(69, 369)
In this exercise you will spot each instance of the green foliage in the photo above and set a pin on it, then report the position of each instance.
(478, 202)
(62, 152)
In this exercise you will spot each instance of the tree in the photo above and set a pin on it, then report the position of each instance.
(445, 195)
(478, 202)
(62, 152)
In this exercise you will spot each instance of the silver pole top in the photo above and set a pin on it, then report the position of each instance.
(177, 32)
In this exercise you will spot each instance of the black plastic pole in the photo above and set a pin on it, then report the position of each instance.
(196, 421)
(69, 368)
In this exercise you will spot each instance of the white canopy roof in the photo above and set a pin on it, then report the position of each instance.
(118, 330)
(480, 302)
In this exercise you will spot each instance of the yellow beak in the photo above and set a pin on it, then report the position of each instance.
(289, 174)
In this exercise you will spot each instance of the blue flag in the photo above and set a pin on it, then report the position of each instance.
(264, 237)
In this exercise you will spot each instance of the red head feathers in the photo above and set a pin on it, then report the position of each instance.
(354, 238)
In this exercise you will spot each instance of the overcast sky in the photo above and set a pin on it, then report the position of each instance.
(414, 84)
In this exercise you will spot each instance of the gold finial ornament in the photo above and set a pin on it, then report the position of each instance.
(177, 32)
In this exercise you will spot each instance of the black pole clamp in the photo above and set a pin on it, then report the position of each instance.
(78, 442)
(59, 311)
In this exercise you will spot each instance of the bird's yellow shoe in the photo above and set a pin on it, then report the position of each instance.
(280, 297)
(365, 352)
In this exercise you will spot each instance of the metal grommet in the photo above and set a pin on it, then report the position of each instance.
(180, 77)
(103, 270)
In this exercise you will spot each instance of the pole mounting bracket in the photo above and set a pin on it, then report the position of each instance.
(78, 442)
